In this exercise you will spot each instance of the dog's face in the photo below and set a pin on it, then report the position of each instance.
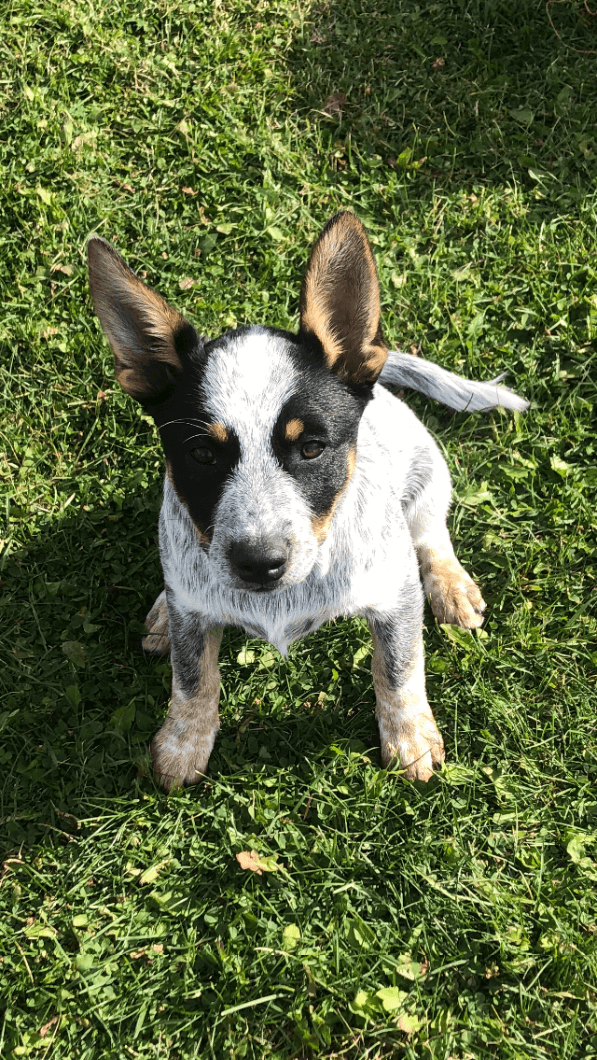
(259, 427)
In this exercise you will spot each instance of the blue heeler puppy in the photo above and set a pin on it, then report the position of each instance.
(297, 489)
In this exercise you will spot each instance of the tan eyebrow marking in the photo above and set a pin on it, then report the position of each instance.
(217, 431)
(293, 430)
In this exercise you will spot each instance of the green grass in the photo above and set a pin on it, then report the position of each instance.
(211, 141)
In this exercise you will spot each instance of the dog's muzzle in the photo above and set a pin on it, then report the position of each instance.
(261, 565)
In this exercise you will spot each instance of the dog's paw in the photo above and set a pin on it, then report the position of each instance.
(176, 762)
(157, 641)
(414, 748)
(454, 597)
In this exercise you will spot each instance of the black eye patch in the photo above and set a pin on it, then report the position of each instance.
(200, 465)
(318, 457)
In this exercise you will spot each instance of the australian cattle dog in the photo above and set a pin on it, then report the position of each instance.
(297, 489)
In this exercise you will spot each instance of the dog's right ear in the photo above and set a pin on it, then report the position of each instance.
(145, 333)
(340, 301)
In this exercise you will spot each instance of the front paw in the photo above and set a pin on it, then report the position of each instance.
(414, 748)
(177, 762)
(455, 599)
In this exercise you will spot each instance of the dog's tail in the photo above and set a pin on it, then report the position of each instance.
(464, 395)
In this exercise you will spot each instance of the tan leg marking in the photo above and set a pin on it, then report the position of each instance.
(408, 733)
(455, 599)
(157, 641)
(182, 747)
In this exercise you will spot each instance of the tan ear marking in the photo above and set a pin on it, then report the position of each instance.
(293, 430)
(340, 302)
(217, 431)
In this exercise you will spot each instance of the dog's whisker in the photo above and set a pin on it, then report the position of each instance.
(190, 439)
(184, 423)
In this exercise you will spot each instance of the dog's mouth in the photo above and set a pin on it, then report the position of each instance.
(258, 588)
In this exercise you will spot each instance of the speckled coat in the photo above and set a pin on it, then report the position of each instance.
(298, 489)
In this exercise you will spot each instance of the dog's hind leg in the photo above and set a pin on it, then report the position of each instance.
(182, 747)
(157, 641)
(454, 597)
(408, 734)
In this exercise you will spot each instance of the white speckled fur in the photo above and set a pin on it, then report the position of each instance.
(363, 551)
(246, 384)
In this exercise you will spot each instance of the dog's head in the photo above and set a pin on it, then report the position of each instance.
(259, 427)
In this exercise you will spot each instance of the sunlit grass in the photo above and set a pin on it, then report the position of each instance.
(210, 142)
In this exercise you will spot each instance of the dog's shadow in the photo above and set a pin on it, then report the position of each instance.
(285, 711)
(81, 702)
(76, 695)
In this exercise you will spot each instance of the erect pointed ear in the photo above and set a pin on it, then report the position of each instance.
(340, 301)
(145, 333)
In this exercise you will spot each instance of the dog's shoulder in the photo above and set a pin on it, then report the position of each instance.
(391, 436)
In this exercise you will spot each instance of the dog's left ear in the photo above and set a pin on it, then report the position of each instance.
(148, 337)
(340, 301)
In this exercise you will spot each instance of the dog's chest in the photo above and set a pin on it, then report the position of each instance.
(286, 624)
(353, 574)
(287, 615)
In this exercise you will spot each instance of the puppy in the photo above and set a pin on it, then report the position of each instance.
(297, 489)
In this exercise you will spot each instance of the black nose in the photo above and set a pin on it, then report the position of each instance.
(263, 563)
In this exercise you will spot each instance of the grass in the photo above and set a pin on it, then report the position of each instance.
(211, 141)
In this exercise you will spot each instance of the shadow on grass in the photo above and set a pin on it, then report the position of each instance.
(81, 702)
(70, 659)
(453, 95)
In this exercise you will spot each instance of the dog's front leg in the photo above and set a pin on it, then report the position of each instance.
(408, 733)
(182, 747)
(454, 597)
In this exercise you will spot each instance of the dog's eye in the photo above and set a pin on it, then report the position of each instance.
(203, 455)
(311, 450)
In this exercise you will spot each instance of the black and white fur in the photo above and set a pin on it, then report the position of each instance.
(298, 489)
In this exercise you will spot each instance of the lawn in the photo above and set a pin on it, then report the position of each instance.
(210, 140)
